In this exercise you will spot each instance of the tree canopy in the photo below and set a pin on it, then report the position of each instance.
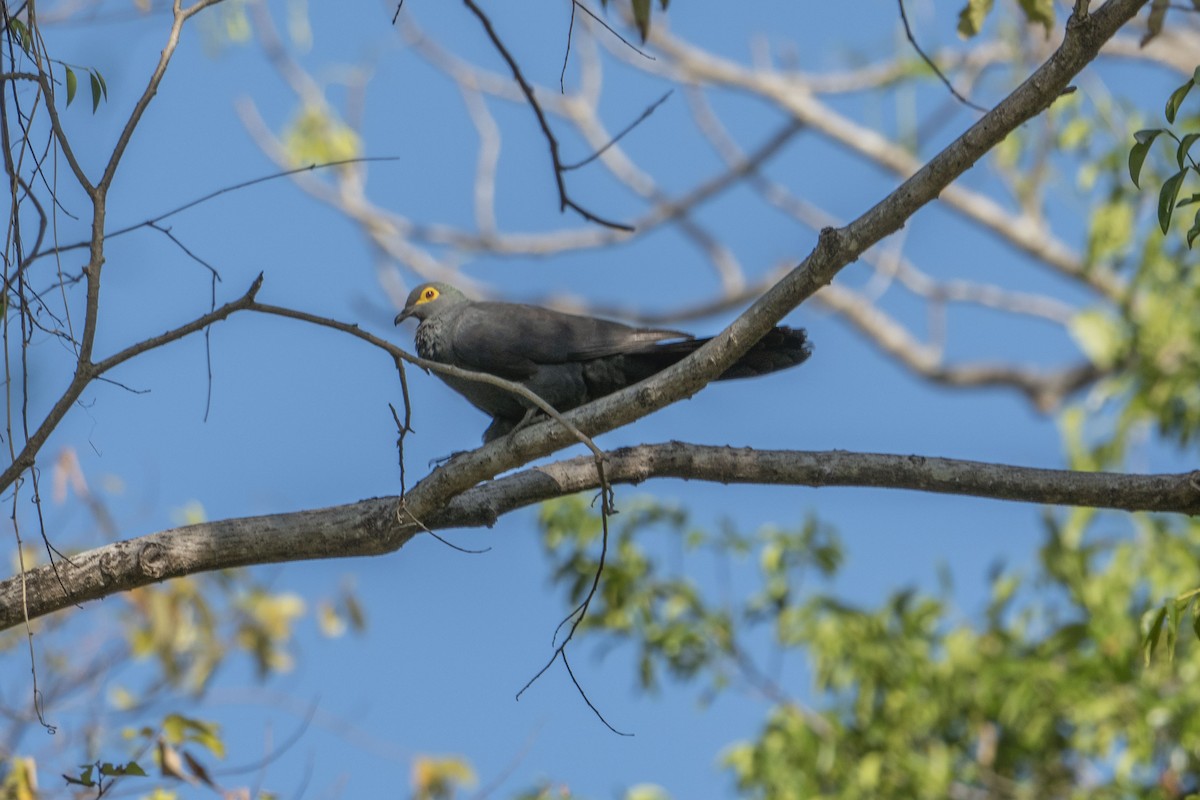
(984, 215)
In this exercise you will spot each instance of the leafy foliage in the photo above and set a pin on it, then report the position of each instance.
(438, 778)
(93, 775)
(1039, 694)
(1169, 193)
(317, 136)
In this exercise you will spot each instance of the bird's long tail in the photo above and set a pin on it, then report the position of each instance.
(781, 348)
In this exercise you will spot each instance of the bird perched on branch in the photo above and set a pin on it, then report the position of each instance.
(565, 359)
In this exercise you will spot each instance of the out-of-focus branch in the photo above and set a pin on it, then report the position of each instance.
(1175, 47)
(1046, 389)
(687, 64)
(897, 267)
(399, 236)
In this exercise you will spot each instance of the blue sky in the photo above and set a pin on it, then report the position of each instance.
(299, 415)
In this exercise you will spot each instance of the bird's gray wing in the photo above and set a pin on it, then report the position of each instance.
(512, 340)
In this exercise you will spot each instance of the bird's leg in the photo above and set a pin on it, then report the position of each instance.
(530, 417)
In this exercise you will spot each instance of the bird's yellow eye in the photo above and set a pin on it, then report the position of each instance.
(430, 293)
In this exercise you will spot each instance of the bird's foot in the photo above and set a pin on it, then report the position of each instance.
(531, 416)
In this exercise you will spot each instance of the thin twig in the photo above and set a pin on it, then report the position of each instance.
(641, 118)
(577, 616)
(564, 199)
(571, 29)
(153, 221)
(936, 71)
(567, 54)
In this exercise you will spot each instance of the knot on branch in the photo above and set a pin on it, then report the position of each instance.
(835, 246)
(152, 560)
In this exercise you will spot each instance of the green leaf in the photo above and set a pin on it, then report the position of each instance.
(72, 84)
(1039, 11)
(1153, 631)
(1176, 99)
(1166, 199)
(132, 768)
(22, 34)
(19, 28)
(179, 729)
(85, 775)
(641, 15)
(1143, 139)
(1192, 233)
(1137, 157)
(970, 19)
(1154, 22)
(1173, 609)
(1147, 135)
(96, 91)
(1185, 144)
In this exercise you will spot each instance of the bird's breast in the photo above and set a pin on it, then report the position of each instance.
(430, 342)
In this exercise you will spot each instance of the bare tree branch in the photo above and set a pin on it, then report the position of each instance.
(1046, 389)
(445, 497)
(834, 250)
(689, 64)
(381, 525)
(564, 199)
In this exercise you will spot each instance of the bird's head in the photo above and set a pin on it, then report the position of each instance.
(429, 299)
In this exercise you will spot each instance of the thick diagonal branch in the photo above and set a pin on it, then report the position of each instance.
(835, 249)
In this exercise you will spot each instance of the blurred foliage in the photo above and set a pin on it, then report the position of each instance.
(975, 12)
(546, 791)
(169, 642)
(642, 12)
(1043, 694)
(20, 779)
(439, 778)
(94, 775)
(316, 136)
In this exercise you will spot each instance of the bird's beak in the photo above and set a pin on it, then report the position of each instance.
(403, 315)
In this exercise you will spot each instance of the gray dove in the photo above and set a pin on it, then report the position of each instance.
(565, 359)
